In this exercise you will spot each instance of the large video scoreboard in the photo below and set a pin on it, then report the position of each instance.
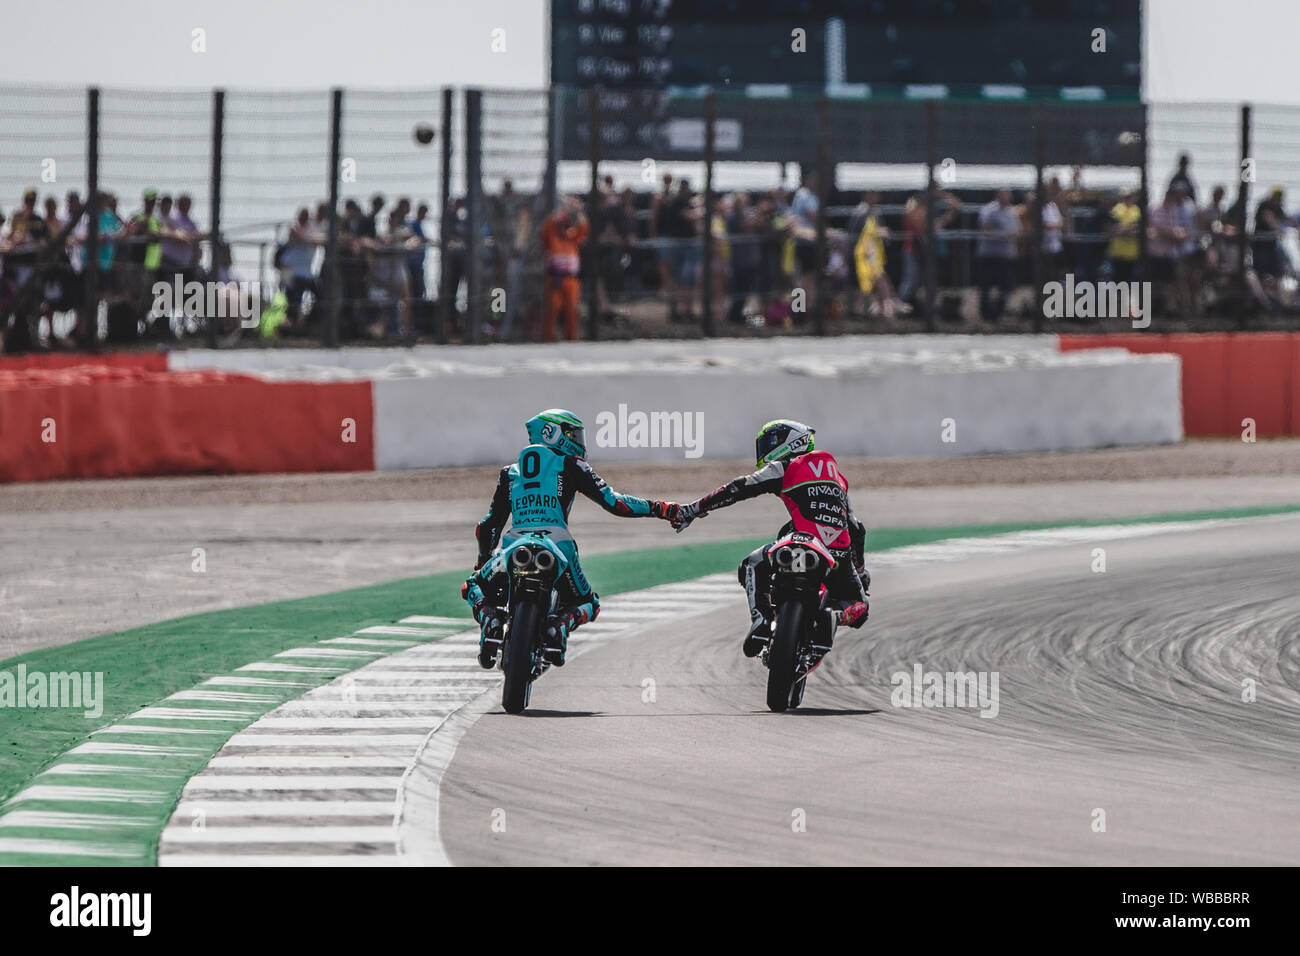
(767, 61)
(887, 48)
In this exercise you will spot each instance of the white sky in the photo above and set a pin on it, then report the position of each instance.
(1222, 50)
(275, 44)
(1196, 50)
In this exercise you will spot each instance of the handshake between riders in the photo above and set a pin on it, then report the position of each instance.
(535, 492)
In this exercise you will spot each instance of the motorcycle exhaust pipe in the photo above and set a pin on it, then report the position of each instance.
(796, 558)
(522, 558)
(544, 560)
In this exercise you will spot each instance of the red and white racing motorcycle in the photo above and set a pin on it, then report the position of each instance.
(800, 565)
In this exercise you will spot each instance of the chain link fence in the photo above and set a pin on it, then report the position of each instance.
(275, 165)
(518, 215)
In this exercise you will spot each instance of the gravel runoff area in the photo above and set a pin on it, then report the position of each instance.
(79, 559)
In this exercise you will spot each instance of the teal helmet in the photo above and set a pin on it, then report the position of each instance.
(782, 439)
(559, 430)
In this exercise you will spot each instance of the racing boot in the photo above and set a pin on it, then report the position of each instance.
(490, 641)
(492, 633)
(825, 624)
(556, 641)
(830, 620)
(760, 633)
(755, 579)
(855, 615)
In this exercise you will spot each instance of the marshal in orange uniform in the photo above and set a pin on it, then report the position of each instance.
(563, 234)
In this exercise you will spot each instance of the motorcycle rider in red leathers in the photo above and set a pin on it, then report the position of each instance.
(812, 489)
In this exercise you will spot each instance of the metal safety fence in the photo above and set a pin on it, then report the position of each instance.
(229, 218)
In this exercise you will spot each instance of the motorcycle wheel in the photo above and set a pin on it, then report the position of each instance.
(518, 663)
(782, 656)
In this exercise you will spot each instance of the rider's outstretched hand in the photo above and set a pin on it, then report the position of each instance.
(678, 515)
(668, 510)
(684, 515)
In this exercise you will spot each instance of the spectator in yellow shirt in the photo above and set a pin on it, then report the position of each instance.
(1123, 249)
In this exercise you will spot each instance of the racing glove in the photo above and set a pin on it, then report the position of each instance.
(684, 515)
(864, 576)
(673, 512)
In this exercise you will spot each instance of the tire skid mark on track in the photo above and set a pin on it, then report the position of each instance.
(1121, 691)
(959, 549)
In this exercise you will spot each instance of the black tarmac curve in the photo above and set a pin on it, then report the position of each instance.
(1120, 704)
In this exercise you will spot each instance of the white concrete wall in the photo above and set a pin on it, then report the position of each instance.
(879, 403)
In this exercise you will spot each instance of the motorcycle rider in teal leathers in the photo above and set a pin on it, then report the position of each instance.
(534, 493)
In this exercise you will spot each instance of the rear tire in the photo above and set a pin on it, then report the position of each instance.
(518, 662)
(782, 656)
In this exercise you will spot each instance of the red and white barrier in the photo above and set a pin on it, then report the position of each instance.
(1228, 377)
(108, 422)
(358, 409)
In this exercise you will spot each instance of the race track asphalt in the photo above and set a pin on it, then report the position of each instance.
(1120, 693)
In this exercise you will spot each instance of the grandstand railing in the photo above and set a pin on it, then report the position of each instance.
(472, 268)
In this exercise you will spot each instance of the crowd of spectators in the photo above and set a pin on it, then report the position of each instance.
(765, 248)
(764, 270)
(381, 267)
(1193, 250)
(43, 257)
(383, 258)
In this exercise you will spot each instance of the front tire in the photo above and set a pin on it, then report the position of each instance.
(782, 656)
(518, 663)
